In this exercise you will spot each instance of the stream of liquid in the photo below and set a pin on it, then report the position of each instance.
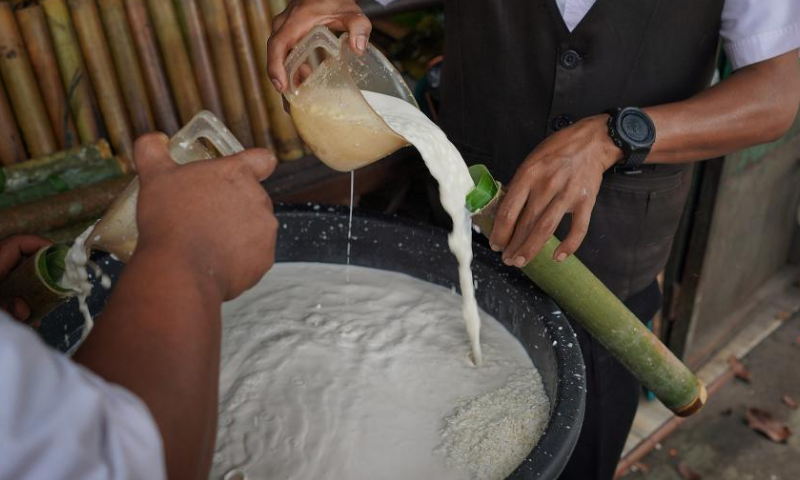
(448, 168)
(350, 221)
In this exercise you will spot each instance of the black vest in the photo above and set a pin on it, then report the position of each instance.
(513, 73)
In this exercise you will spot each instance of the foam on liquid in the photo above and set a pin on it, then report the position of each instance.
(448, 168)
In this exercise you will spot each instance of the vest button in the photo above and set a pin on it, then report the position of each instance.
(570, 59)
(560, 121)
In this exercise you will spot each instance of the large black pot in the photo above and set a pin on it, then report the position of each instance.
(319, 234)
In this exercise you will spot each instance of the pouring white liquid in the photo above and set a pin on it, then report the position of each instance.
(448, 168)
(76, 277)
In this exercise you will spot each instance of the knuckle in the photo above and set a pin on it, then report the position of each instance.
(548, 225)
(580, 230)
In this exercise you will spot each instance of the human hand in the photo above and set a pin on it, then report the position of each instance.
(213, 216)
(562, 175)
(299, 17)
(13, 250)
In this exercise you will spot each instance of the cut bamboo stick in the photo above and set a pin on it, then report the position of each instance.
(195, 32)
(155, 78)
(76, 82)
(248, 71)
(11, 149)
(23, 175)
(89, 28)
(64, 182)
(23, 90)
(288, 145)
(176, 59)
(129, 74)
(222, 52)
(58, 211)
(587, 301)
(33, 25)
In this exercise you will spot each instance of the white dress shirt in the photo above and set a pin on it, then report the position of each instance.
(60, 421)
(752, 30)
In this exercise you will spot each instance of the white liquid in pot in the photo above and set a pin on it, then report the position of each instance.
(322, 379)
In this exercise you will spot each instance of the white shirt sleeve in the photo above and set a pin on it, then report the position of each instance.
(756, 30)
(60, 421)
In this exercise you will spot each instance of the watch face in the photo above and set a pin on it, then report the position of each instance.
(637, 128)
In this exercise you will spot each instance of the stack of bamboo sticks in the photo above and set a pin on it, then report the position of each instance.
(81, 79)
(73, 72)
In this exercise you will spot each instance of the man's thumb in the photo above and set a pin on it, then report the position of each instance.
(150, 154)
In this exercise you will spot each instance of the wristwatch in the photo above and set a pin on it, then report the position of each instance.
(633, 132)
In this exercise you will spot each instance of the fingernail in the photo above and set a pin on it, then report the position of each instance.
(561, 257)
(507, 261)
(495, 247)
(277, 84)
(361, 42)
(519, 262)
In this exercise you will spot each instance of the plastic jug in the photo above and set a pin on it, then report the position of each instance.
(116, 232)
(37, 279)
(328, 109)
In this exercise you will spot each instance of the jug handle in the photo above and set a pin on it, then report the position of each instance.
(206, 125)
(319, 37)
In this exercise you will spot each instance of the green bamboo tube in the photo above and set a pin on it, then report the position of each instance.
(176, 59)
(36, 281)
(23, 175)
(23, 90)
(590, 303)
(248, 71)
(288, 145)
(11, 149)
(33, 25)
(89, 28)
(161, 102)
(64, 182)
(129, 74)
(222, 52)
(64, 209)
(80, 96)
(195, 32)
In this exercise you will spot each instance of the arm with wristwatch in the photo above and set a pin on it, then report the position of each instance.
(563, 173)
(757, 104)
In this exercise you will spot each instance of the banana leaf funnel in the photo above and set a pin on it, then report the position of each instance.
(591, 304)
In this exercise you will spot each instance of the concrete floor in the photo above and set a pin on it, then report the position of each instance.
(718, 444)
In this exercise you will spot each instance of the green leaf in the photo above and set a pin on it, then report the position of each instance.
(485, 188)
(58, 183)
(51, 265)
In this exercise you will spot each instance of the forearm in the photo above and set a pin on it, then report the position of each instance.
(159, 337)
(755, 105)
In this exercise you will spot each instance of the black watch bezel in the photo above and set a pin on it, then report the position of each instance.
(634, 145)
